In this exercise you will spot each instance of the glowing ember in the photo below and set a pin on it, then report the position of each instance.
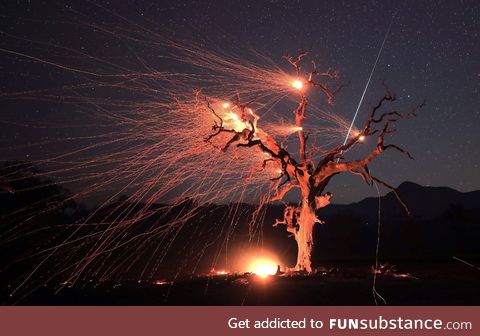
(264, 267)
(225, 105)
(222, 272)
(297, 84)
(361, 138)
(285, 130)
(233, 120)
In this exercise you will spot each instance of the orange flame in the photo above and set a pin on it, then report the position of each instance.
(263, 267)
(297, 84)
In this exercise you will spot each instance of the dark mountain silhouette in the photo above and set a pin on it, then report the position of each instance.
(423, 202)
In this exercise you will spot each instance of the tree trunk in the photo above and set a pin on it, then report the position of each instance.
(304, 238)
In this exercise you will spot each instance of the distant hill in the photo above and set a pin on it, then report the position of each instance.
(423, 202)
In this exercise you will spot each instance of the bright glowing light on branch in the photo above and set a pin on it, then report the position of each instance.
(357, 134)
(297, 84)
(233, 120)
(226, 105)
(285, 130)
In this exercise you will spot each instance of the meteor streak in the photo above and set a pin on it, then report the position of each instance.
(368, 81)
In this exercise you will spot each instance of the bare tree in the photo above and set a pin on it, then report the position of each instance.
(309, 177)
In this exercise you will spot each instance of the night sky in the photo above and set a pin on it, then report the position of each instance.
(432, 53)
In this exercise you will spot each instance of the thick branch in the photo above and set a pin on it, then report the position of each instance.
(299, 116)
(280, 193)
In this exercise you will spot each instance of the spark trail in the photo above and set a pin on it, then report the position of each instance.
(140, 149)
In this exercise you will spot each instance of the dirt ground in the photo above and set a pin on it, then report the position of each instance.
(439, 283)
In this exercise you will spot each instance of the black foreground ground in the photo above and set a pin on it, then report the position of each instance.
(445, 283)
